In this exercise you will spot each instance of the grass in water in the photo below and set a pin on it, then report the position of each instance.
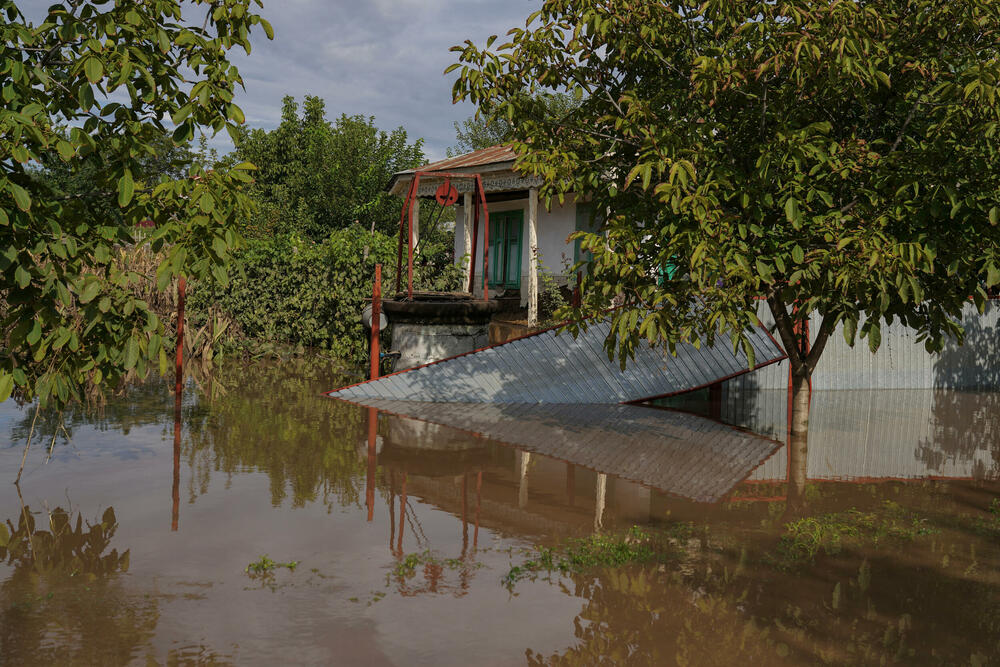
(634, 546)
(264, 565)
(408, 565)
(831, 533)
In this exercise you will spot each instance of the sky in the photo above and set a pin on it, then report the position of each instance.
(381, 58)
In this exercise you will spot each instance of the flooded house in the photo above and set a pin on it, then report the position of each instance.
(526, 238)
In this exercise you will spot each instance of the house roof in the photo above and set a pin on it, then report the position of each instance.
(497, 157)
(487, 156)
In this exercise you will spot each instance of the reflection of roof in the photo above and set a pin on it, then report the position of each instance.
(675, 452)
(545, 367)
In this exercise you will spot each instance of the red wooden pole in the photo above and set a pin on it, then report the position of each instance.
(475, 242)
(376, 322)
(409, 216)
(486, 240)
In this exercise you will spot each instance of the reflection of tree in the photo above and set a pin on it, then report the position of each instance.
(967, 422)
(274, 419)
(722, 603)
(62, 602)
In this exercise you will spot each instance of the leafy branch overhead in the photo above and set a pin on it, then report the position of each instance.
(835, 158)
(94, 84)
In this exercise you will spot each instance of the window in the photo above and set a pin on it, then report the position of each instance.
(505, 249)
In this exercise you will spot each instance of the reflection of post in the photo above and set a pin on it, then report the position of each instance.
(370, 480)
(602, 488)
(479, 500)
(178, 395)
(176, 494)
(465, 513)
(402, 516)
(392, 508)
(522, 479)
(570, 484)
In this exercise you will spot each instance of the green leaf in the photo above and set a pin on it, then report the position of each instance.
(21, 197)
(90, 290)
(94, 69)
(874, 337)
(35, 334)
(22, 277)
(235, 114)
(994, 215)
(268, 30)
(6, 388)
(798, 254)
(126, 189)
(792, 212)
(207, 202)
(850, 330)
(131, 353)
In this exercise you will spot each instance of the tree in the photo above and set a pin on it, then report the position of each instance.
(93, 85)
(479, 132)
(831, 157)
(316, 177)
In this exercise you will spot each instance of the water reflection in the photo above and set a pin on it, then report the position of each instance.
(405, 519)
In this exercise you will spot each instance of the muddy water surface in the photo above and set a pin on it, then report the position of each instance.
(122, 549)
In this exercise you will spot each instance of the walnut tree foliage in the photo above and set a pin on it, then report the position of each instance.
(832, 156)
(96, 84)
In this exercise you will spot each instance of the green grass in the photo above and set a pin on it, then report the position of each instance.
(831, 533)
(634, 546)
(408, 565)
(264, 565)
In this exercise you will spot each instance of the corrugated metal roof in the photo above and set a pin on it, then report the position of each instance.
(493, 155)
(675, 452)
(547, 368)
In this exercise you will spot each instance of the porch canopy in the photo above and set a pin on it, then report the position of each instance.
(500, 182)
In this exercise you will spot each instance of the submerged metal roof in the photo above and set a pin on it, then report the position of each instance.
(675, 452)
(548, 368)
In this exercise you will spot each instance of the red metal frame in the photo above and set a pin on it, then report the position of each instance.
(406, 227)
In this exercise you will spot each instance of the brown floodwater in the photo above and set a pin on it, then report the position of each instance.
(414, 529)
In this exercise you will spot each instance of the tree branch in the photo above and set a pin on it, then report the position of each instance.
(786, 329)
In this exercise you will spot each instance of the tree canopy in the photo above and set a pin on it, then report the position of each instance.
(832, 157)
(483, 131)
(316, 177)
(94, 85)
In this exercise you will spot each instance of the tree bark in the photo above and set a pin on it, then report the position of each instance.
(798, 443)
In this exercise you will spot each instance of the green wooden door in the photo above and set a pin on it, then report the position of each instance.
(506, 243)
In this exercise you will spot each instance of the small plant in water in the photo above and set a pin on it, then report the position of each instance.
(264, 565)
(804, 538)
(634, 546)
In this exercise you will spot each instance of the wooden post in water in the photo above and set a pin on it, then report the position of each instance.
(178, 395)
(376, 321)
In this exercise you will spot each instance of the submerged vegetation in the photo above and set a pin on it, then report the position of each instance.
(804, 538)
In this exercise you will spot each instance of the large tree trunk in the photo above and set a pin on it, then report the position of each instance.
(798, 443)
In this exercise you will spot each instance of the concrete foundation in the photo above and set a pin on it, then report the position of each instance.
(435, 326)
(422, 343)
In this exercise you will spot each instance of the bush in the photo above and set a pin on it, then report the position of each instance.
(297, 292)
(291, 291)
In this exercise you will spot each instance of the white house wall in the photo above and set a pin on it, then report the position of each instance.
(554, 248)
